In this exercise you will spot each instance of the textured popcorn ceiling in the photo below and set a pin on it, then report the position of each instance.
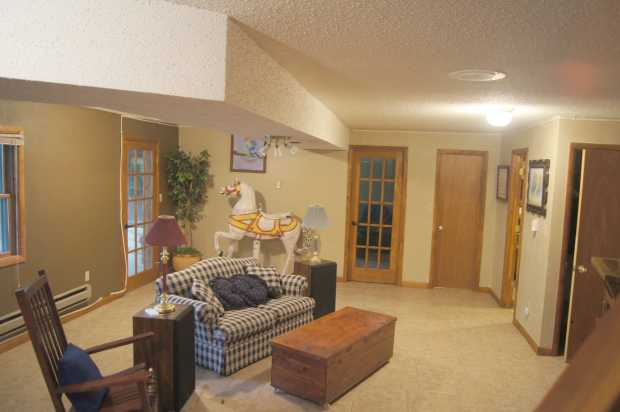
(384, 63)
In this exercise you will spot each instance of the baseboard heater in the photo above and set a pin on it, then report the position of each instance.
(13, 323)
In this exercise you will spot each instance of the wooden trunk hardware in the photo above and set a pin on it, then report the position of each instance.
(322, 360)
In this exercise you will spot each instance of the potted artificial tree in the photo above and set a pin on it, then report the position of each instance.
(187, 188)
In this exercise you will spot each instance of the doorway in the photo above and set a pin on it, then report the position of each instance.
(591, 230)
(140, 209)
(460, 194)
(376, 206)
(516, 203)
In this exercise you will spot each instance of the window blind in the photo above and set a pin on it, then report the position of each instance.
(12, 139)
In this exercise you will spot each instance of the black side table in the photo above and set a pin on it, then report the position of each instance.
(173, 353)
(321, 284)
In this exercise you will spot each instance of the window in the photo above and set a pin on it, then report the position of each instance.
(12, 248)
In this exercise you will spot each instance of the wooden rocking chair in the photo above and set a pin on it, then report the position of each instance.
(133, 389)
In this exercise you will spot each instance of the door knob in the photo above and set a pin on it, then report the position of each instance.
(582, 269)
(439, 228)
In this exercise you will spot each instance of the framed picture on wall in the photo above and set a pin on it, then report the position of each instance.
(537, 186)
(503, 182)
(246, 154)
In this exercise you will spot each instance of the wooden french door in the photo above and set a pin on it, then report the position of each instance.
(598, 235)
(375, 230)
(140, 208)
(514, 223)
(460, 193)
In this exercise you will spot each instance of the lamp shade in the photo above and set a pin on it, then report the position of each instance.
(165, 232)
(316, 218)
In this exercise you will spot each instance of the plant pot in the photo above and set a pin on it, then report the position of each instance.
(180, 262)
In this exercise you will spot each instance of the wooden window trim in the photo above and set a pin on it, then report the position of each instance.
(8, 259)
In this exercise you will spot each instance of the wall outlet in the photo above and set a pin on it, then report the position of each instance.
(87, 276)
(161, 198)
(278, 184)
(526, 312)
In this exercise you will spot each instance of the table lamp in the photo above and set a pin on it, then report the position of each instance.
(316, 219)
(165, 233)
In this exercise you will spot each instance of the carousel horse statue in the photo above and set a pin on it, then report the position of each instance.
(248, 220)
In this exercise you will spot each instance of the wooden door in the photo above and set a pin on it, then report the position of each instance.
(140, 209)
(460, 192)
(376, 209)
(516, 197)
(598, 235)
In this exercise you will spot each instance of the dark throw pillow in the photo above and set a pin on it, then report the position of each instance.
(270, 275)
(75, 367)
(240, 291)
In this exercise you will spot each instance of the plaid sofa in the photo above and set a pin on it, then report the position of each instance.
(238, 337)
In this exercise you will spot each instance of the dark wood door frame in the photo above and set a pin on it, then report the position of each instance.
(403, 208)
(573, 147)
(483, 197)
(507, 283)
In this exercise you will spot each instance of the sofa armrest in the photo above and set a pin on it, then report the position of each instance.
(294, 285)
(203, 312)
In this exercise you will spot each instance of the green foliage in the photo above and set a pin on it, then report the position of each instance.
(187, 186)
(186, 250)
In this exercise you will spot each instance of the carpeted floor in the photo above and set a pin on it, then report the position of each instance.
(455, 350)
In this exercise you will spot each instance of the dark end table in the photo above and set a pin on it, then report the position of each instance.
(321, 284)
(173, 353)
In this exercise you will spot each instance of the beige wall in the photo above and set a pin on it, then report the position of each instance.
(306, 178)
(72, 159)
(541, 252)
(541, 142)
(421, 191)
(322, 177)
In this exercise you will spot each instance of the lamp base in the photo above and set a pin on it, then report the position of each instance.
(164, 307)
(315, 258)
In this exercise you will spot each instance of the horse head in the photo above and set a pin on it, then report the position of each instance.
(232, 189)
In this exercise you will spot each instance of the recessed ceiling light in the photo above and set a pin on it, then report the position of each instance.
(499, 117)
(477, 75)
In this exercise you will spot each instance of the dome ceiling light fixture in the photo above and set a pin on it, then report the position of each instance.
(477, 75)
(499, 117)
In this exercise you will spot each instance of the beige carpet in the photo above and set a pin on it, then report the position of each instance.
(455, 350)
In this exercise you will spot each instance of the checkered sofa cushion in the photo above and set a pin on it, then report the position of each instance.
(238, 324)
(288, 306)
(200, 308)
(180, 283)
(293, 323)
(271, 277)
(294, 285)
(203, 293)
(227, 358)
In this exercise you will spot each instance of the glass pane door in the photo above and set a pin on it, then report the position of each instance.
(140, 205)
(375, 212)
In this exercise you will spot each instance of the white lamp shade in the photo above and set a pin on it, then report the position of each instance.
(316, 218)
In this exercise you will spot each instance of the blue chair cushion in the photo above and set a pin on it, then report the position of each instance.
(75, 367)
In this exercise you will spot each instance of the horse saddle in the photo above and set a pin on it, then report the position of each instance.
(276, 216)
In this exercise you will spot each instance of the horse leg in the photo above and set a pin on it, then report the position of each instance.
(234, 242)
(216, 243)
(232, 247)
(256, 249)
(289, 240)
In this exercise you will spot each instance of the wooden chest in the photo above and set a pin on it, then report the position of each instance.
(322, 360)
